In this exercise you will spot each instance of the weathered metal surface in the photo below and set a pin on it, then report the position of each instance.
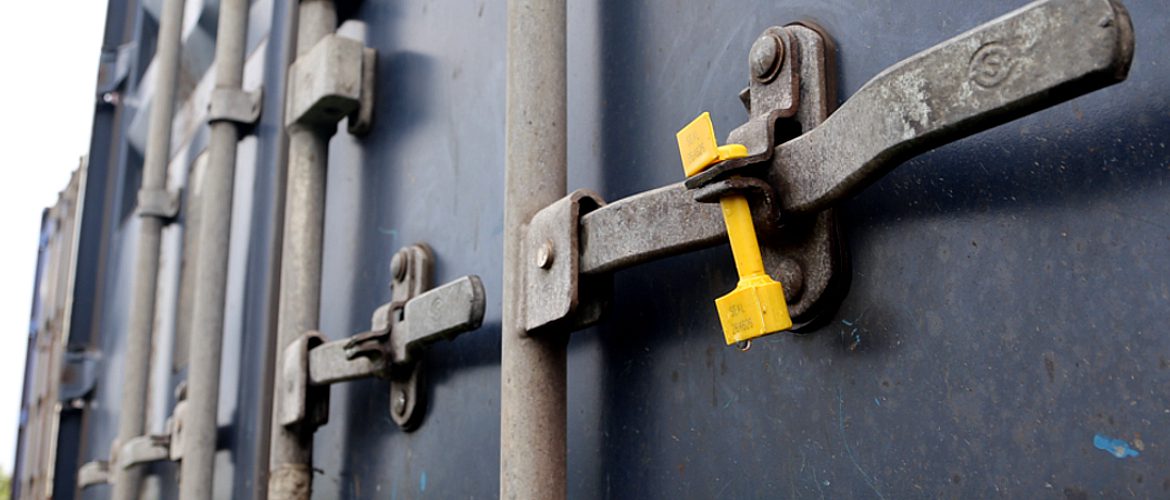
(302, 405)
(439, 314)
(362, 118)
(552, 269)
(332, 362)
(143, 449)
(328, 83)
(963, 362)
(158, 203)
(535, 171)
(413, 318)
(1033, 58)
(647, 226)
(234, 105)
(91, 473)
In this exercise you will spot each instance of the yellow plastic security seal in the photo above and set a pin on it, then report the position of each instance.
(756, 307)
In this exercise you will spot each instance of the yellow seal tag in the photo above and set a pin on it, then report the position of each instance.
(697, 146)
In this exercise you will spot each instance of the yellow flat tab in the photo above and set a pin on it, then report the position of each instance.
(697, 146)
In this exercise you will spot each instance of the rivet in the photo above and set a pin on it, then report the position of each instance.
(544, 255)
(767, 56)
(398, 266)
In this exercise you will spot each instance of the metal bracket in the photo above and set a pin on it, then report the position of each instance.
(141, 449)
(414, 317)
(553, 279)
(333, 80)
(91, 473)
(301, 405)
(144, 449)
(175, 423)
(159, 203)
(78, 376)
(234, 105)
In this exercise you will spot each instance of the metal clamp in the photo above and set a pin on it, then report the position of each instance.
(144, 449)
(300, 404)
(159, 203)
(175, 423)
(91, 473)
(333, 80)
(415, 316)
(553, 283)
(234, 105)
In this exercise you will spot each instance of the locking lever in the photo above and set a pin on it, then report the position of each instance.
(415, 316)
(1040, 55)
(756, 307)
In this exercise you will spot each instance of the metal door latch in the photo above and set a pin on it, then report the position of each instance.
(415, 316)
(802, 158)
(141, 449)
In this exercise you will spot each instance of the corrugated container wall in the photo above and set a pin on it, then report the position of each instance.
(1002, 334)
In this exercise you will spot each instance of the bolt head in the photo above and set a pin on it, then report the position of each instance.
(400, 402)
(544, 255)
(766, 57)
(398, 266)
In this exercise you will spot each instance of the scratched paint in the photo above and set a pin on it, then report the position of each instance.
(1116, 447)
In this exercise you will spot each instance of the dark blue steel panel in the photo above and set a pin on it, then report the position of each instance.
(1007, 302)
(1006, 307)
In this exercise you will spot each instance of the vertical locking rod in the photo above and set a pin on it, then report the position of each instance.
(291, 452)
(198, 465)
(532, 370)
(136, 366)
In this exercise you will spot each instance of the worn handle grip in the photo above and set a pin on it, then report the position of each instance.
(1043, 54)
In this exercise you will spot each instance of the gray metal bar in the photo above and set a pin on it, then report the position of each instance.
(439, 313)
(198, 464)
(1043, 54)
(532, 386)
(291, 451)
(328, 364)
(648, 226)
(132, 417)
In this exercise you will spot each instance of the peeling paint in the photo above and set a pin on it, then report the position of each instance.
(1116, 447)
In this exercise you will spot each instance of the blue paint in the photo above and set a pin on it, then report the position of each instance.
(422, 481)
(877, 402)
(1116, 447)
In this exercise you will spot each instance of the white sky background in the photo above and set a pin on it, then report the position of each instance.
(49, 58)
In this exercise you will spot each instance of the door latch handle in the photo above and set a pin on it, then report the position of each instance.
(1040, 55)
